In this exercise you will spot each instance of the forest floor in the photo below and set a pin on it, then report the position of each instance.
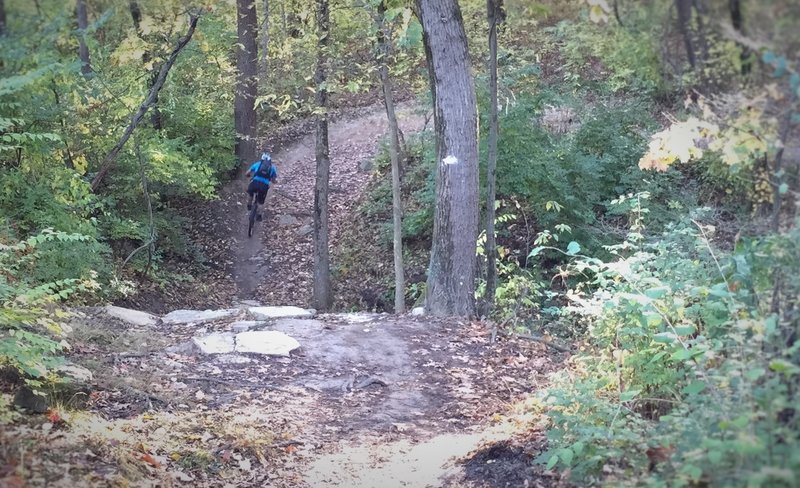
(367, 400)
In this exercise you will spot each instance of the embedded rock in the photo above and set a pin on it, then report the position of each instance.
(217, 343)
(269, 342)
(197, 316)
(285, 312)
(133, 317)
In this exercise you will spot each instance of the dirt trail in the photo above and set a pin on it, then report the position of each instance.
(368, 400)
(274, 267)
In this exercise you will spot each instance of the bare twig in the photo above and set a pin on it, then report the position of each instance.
(544, 341)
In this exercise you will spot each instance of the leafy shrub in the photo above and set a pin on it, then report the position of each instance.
(31, 324)
(688, 377)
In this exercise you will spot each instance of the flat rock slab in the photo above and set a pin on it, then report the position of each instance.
(217, 343)
(245, 325)
(285, 312)
(198, 316)
(133, 317)
(269, 342)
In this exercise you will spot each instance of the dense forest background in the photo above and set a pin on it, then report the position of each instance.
(647, 179)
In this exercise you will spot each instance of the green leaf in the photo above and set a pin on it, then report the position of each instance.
(657, 292)
(783, 188)
(665, 337)
(754, 374)
(535, 251)
(682, 354)
(573, 248)
(566, 455)
(715, 457)
(629, 395)
(783, 366)
(685, 330)
(552, 462)
(694, 388)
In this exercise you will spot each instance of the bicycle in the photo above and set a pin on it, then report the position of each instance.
(252, 217)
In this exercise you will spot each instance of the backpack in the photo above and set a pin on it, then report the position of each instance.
(265, 170)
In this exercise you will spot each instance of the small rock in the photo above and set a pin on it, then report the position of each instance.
(133, 317)
(245, 325)
(197, 316)
(418, 311)
(269, 342)
(233, 359)
(283, 312)
(305, 230)
(286, 220)
(217, 343)
(75, 373)
(248, 303)
(365, 166)
(27, 399)
(184, 348)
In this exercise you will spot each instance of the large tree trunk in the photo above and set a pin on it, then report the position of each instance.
(684, 8)
(493, 11)
(451, 275)
(2, 18)
(83, 49)
(737, 19)
(394, 152)
(322, 266)
(265, 43)
(244, 111)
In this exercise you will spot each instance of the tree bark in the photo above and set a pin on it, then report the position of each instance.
(83, 49)
(322, 266)
(136, 14)
(737, 19)
(244, 111)
(109, 160)
(684, 8)
(493, 6)
(2, 18)
(394, 153)
(451, 275)
(265, 44)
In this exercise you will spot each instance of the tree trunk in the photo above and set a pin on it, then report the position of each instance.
(394, 152)
(136, 14)
(737, 19)
(451, 275)
(493, 6)
(83, 49)
(322, 266)
(684, 8)
(265, 44)
(2, 18)
(244, 111)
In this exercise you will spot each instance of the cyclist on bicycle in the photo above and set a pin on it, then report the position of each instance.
(263, 175)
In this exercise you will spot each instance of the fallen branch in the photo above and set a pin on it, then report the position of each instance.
(109, 160)
(544, 341)
(238, 384)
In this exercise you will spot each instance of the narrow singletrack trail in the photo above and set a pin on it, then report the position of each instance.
(275, 265)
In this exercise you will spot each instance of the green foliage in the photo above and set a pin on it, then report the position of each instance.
(31, 324)
(686, 358)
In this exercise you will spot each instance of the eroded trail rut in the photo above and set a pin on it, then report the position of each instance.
(275, 267)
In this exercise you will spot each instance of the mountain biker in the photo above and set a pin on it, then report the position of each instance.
(263, 175)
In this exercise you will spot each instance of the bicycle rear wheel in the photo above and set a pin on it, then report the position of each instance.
(252, 219)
